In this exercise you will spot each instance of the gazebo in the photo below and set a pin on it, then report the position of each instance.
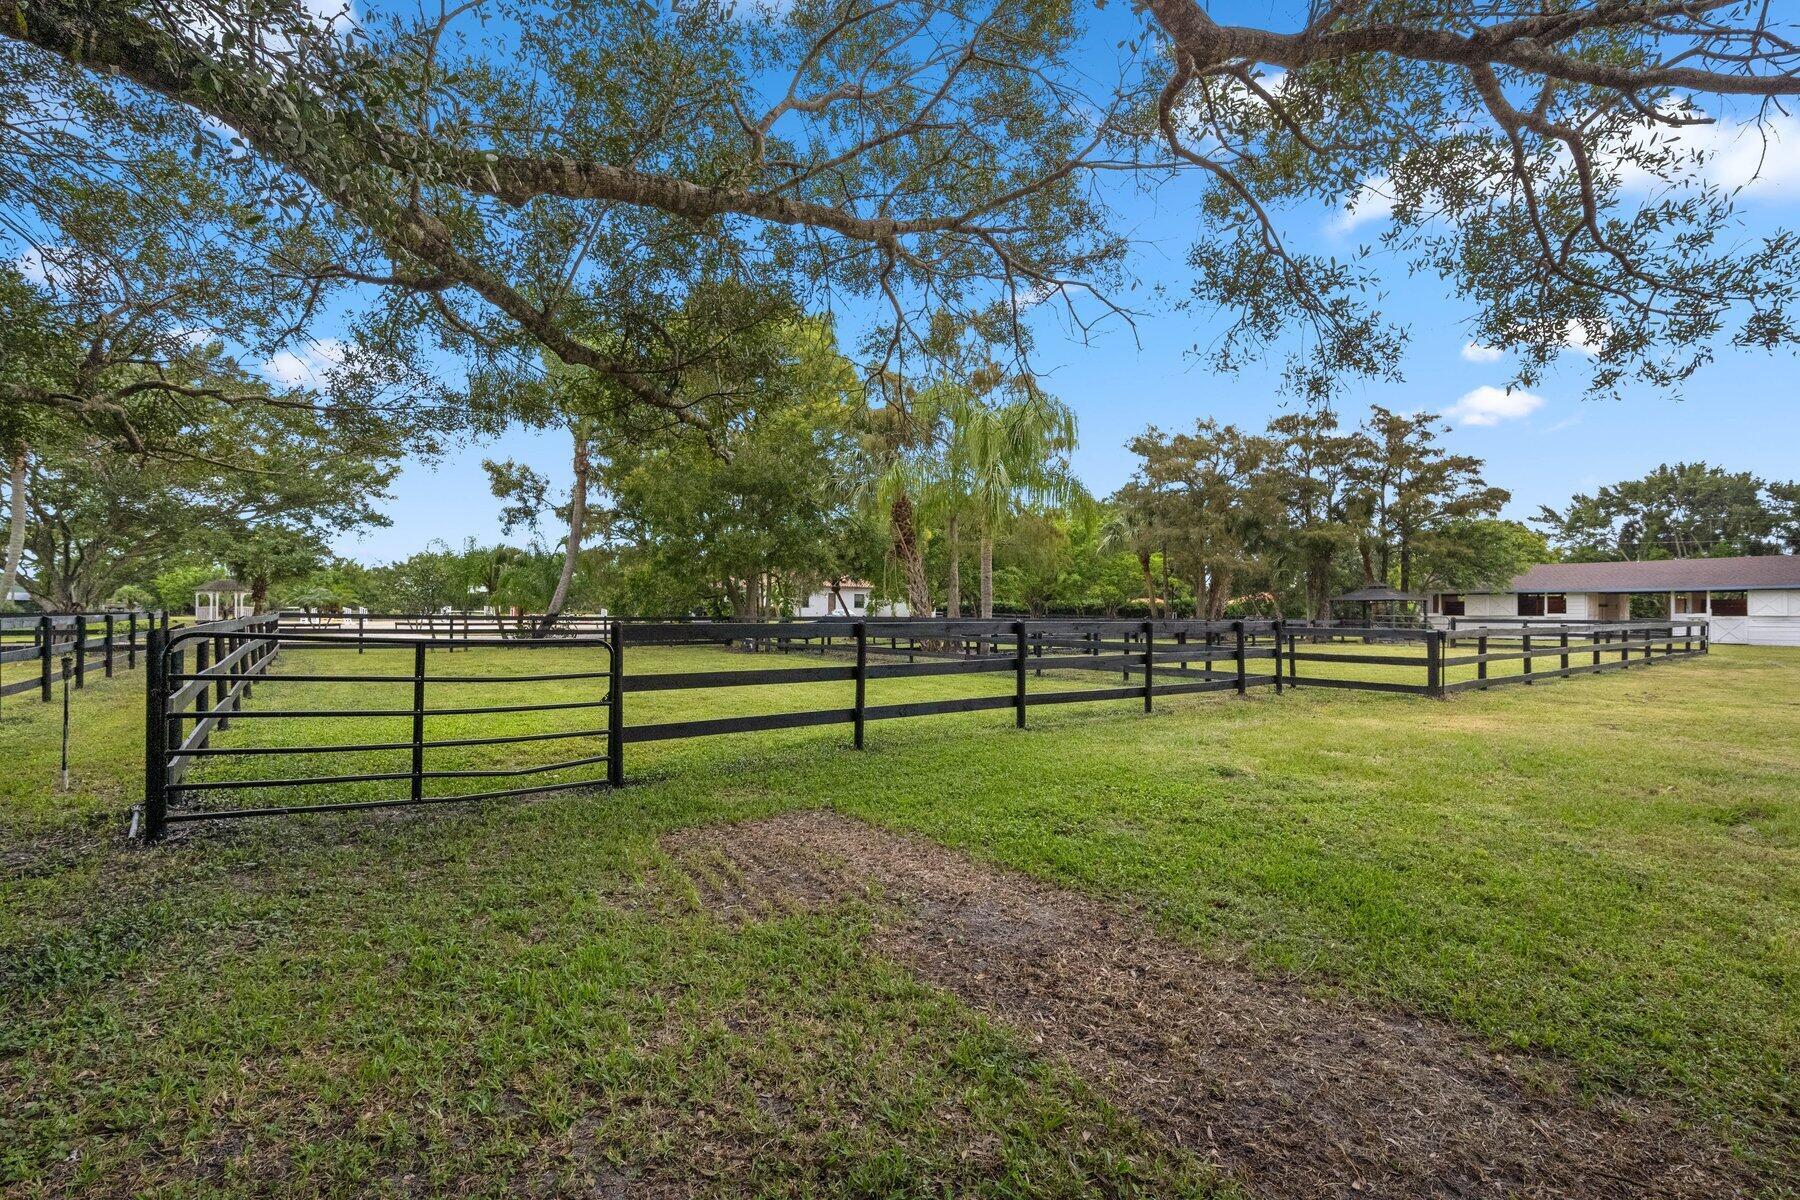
(221, 599)
(1382, 605)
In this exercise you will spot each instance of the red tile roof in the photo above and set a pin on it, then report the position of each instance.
(1667, 575)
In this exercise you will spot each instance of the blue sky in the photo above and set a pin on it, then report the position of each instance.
(1739, 412)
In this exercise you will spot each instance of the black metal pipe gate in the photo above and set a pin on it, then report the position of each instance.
(187, 704)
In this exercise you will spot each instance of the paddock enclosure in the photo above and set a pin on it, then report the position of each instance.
(273, 715)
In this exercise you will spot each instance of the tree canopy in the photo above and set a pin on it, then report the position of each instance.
(513, 177)
(1688, 510)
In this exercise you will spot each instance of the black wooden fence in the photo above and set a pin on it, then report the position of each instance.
(105, 641)
(1049, 662)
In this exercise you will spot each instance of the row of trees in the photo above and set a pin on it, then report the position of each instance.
(1688, 510)
(1299, 509)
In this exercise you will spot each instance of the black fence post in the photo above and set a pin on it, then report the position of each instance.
(418, 723)
(361, 619)
(1481, 649)
(1525, 641)
(47, 635)
(109, 645)
(131, 640)
(173, 736)
(862, 671)
(1434, 662)
(202, 667)
(156, 735)
(222, 689)
(615, 709)
(1243, 687)
(1276, 629)
(1021, 653)
(80, 650)
(1149, 663)
(1564, 641)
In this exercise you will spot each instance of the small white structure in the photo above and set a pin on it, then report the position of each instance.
(1753, 600)
(221, 600)
(838, 598)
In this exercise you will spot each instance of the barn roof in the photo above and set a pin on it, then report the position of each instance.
(1747, 573)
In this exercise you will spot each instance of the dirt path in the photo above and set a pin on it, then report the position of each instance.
(1293, 1096)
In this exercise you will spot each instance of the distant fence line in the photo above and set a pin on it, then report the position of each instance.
(189, 699)
(110, 640)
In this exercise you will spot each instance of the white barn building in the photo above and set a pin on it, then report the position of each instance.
(1749, 601)
(838, 598)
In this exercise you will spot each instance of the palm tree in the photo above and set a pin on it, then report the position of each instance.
(900, 448)
(1005, 457)
(1132, 529)
(15, 538)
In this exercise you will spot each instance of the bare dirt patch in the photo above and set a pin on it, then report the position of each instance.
(1291, 1095)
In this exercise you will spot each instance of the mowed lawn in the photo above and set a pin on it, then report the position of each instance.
(498, 999)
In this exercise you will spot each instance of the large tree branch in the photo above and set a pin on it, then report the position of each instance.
(1523, 43)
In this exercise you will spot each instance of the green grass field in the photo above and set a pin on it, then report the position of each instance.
(478, 999)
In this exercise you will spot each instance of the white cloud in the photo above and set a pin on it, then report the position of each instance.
(32, 267)
(330, 12)
(1475, 352)
(1491, 405)
(1762, 161)
(1372, 202)
(1577, 337)
(309, 367)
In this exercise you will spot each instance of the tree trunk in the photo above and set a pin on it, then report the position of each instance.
(1318, 588)
(577, 520)
(906, 549)
(1218, 589)
(1149, 583)
(987, 577)
(953, 600)
(15, 535)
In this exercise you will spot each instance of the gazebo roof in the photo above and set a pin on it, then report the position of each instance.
(1377, 593)
(222, 585)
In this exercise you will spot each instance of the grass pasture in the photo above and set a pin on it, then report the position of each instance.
(497, 998)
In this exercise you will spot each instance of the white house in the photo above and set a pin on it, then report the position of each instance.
(837, 598)
(1753, 600)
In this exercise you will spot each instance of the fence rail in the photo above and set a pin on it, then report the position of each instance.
(1048, 662)
(109, 640)
(452, 628)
